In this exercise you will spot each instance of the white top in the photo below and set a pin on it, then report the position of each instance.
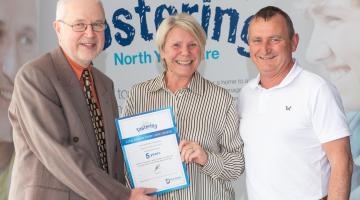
(283, 128)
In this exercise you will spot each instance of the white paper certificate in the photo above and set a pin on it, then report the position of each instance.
(150, 145)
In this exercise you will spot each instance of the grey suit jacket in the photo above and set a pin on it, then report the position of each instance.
(55, 147)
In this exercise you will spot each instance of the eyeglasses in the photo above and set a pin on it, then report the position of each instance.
(81, 27)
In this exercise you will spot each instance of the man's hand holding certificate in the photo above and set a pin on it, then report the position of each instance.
(150, 146)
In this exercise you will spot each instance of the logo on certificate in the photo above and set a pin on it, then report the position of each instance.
(146, 126)
(169, 180)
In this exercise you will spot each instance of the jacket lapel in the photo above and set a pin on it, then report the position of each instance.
(76, 95)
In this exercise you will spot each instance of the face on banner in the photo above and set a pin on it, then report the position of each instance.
(335, 45)
(17, 45)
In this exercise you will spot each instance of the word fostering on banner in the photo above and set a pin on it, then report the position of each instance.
(125, 32)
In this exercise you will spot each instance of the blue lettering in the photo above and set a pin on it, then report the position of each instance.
(145, 58)
(159, 13)
(215, 54)
(205, 18)
(142, 9)
(129, 60)
(244, 38)
(157, 54)
(127, 34)
(142, 57)
(108, 37)
(146, 126)
(118, 59)
(127, 28)
(190, 10)
(212, 54)
(234, 19)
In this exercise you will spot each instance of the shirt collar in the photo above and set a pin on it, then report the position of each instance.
(196, 84)
(78, 69)
(289, 78)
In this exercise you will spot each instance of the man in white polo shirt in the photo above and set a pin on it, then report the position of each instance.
(292, 121)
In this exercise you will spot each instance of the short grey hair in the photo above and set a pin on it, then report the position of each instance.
(183, 21)
(60, 9)
(61, 5)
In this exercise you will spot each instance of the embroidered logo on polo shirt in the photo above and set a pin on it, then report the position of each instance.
(288, 108)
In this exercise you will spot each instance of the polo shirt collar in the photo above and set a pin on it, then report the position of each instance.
(289, 78)
(196, 84)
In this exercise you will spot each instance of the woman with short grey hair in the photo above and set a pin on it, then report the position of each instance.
(205, 113)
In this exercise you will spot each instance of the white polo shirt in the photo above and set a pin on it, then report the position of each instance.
(283, 129)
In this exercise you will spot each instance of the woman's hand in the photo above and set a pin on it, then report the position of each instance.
(192, 152)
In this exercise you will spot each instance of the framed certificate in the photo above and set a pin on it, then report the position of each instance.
(150, 145)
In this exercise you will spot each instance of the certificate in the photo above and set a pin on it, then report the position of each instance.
(150, 146)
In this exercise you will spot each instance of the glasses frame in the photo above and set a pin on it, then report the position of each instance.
(85, 26)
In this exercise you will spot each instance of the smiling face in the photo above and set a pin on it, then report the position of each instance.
(81, 47)
(182, 54)
(271, 47)
(335, 46)
(18, 44)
